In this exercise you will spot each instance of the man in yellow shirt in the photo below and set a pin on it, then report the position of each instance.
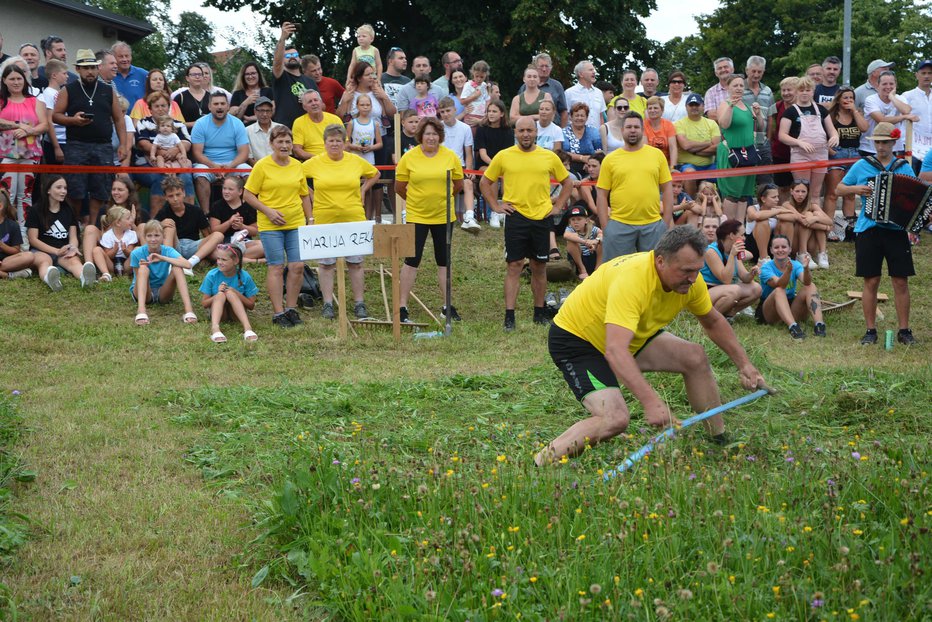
(611, 329)
(628, 182)
(309, 128)
(526, 171)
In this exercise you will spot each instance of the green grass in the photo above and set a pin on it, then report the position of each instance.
(178, 479)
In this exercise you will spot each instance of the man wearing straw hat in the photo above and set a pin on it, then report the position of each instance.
(877, 242)
(612, 329)
(90, 111)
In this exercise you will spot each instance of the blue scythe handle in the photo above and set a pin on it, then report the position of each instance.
(631, 460)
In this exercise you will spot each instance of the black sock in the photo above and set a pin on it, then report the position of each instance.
(540, 310)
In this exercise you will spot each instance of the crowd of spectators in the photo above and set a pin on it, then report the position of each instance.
(109, 111)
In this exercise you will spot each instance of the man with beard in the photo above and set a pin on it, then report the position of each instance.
(288, 83)
(107, 70)
(526, 171)
(612, 329)
(54, 47)
(90, 112)
(218, 140)
(628, 183)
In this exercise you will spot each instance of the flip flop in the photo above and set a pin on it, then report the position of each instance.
(189, 318)
(250, 336)
(218, 337)
(141, 319)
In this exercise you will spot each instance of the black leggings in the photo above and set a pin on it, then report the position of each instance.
(438, 233)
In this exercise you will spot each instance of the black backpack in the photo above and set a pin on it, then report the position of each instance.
(310, 287)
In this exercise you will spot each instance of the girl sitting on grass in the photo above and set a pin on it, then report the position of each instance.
(122, 194)
(117, 243)
(236, 219)
(14, 263)
(810, 222)
(583, 241)
(731, 286)
(52, 231)
(789, 294)
(767, 217)
(157, 272)
(229, 292)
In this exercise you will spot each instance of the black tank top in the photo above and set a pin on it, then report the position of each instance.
(87, 100)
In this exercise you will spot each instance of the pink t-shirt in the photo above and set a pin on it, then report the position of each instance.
(28, 147)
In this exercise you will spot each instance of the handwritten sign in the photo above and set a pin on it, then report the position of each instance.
(337, 240)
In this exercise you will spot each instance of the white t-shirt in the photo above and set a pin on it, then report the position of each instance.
(922, 130)
(590, 96)
(457, 138)
(108, 240)
(548, 136)
(674, 112)
(48, 97)
(874, 104)
(478, 105)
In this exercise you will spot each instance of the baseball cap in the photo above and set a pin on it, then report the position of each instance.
(263, 100)
(878, 64)
(924, 64)
(694, 98)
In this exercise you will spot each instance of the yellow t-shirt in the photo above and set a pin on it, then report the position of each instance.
(310, 135)
(700, 131)
(636, 104)
(427, 184)
(527, 176)
(627, 292)
(336, 187)
(281, 188)
(633, 180)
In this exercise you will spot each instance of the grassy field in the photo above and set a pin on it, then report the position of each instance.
(304, 477)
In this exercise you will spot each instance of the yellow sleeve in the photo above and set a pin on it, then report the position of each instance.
(605, 175)
(557, 170)
(495, 168)
(664, 168)
(256, 178)
(297, 131)
(699, 303)
(303, 189)
(456, 166)
(367, 170)
(401, 171)
(308, 167)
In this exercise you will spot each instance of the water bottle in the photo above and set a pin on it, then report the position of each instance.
(118, 268)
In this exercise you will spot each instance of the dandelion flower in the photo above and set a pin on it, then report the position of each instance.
(581, 537)
(639, 592)
(533, 579)
(595, 588)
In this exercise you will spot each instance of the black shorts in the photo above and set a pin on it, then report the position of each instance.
(439, 235)
(871, 247)
(526, 238)
(584, 367)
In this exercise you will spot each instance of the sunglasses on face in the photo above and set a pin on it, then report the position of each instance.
(291, 55)
(621, 107)
(677, 82)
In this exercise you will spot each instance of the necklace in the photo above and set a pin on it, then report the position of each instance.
(90, 98)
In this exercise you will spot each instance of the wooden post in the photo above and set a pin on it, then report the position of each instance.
(396, 289)
(341, 292)
(909, 140)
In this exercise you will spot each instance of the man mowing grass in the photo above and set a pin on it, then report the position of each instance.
(611, 328)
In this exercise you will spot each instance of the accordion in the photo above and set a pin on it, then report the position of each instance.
(899, 199)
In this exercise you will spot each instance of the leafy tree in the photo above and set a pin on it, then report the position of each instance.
(191, 39)
(505, 33)
(149, 52)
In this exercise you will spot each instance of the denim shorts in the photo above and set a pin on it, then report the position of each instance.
(329, 261)
(280, 243)
(153, 181)
(187, 247)
(843, 153)
(213, 177)
(685, 168)
(97, 185)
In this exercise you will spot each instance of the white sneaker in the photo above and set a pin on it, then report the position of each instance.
(53, 279)
(495, 220)
(188, 272)
(822, 260)
(812, 264)
(88, 274)
(25, 273)
(238, 237)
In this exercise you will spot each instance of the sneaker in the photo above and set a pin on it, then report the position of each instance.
(812, 264)
(53, 279)
(495, 220)
(282, 321)
(819, 330)
(869, 338)
(88, 274)
(453, 314)
(239, 237)
(905, 336)
(541, 317)
(188, 272)
(822, 260)
(293, 317)
(327, 311)
(796, 332)
(470, 225)
(563, 294)
(747, 311)
(509, 324)
(20, 274)
(360, 310)
(550, 300)
(403, 315)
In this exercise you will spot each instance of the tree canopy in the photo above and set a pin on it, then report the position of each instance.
(505, 33)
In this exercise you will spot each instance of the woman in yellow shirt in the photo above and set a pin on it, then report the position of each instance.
(338, 197)
(278, 191)
(421, 180)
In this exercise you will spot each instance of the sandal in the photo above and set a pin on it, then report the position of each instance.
(141, 319)
(555, 254)
(250, 336)
(218, 337)
(105, 277)
(189, 318)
